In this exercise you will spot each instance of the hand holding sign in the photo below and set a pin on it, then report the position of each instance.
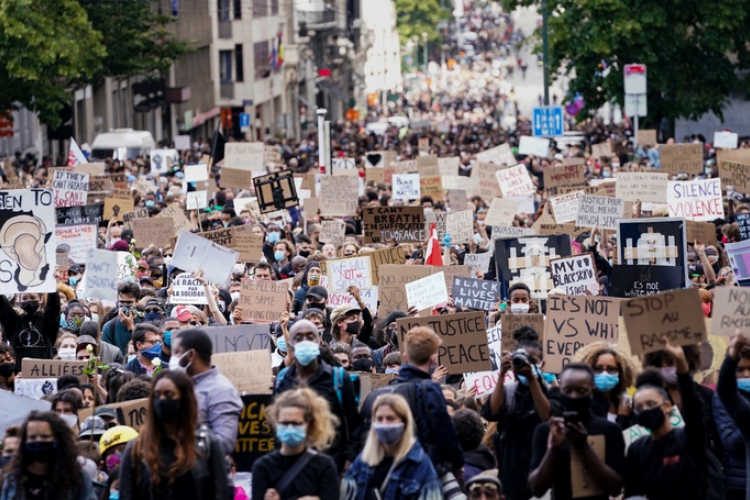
(677, 353)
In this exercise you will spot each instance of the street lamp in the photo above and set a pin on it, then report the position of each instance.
(424, 40)
(409, 47)
(415, 41)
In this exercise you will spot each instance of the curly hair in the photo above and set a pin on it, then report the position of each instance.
(627, 369)
(321, 422)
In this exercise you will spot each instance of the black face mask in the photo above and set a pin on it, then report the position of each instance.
(41, 451)
(352, 328)
(362, 365)
(580, 405)
(651, 419)
(167, 409)
(316, 305)
(4, 460)
(393, 336)
(304, 253)
(30, 306)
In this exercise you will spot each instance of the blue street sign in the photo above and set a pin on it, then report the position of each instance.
(245, 121)
(548, 121)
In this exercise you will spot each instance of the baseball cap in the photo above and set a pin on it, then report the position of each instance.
(105, 411)
(86, 340)
(147, 279)
(342, 311)
(317, 292)
(75, 269)
(182, 313)
(93, 426)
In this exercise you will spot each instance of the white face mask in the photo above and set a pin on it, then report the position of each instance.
(519, 308)
(70, 419)
(67, 353)
(174, 363)
(235, 295)
(94, 317)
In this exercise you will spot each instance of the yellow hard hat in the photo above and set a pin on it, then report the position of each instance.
(120, 434)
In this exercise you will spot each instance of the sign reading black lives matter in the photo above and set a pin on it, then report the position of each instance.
(255, 436)
(475, 294)
(576, 274)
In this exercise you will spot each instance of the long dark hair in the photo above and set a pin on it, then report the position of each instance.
(146, 446)
(65, 473)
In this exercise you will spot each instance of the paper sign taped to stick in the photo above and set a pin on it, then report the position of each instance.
(196, 200)
(731, 310)
(575, 275)
(600, 211)
(678, 315)
(194, 253)
(263, 301)
(427, 292)
(699, 200)
(249, 371)
(187, 290)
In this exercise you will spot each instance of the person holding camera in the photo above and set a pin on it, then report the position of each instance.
(578, 455)
(518, 407)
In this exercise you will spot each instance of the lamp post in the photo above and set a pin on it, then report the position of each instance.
(409, 46)
(424, 40)
(415, 41)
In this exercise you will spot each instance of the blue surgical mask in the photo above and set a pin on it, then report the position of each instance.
(153, 352)
(549, 377)
(131, 357)
(281, 344)
(150, 203)
(743, 384)
(606, 174)
(168, 338)
(114, 495)
(291, 435)
(95, 317)
(273, 237)
(306, 352)
(391, 370)
(606, 382)
(708, 170)
(279, 255)
(152, 317)
(73, 280)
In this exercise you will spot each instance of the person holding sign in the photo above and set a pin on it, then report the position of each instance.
(33, 332)
(671, 462)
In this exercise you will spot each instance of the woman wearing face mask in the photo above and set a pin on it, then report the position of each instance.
(392, 464)
(33, 331)
(349, 321)
(66, 351)
(349, 250)
(172, 458)
(310, 278)
(670, 462)
(390, 336)
(66, 404)
(304, 427)
(75, 315)
(45, 462)
(614, 372)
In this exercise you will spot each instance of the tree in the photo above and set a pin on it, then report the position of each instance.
(414, 17)
(695, 51)
(45, 48)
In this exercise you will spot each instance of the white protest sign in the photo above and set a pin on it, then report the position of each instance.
(699, 200)
(726, 140)
(71, 188)
(196, 173)
(478, 261)
(460, 226)
(161, 159)
(515, 181)
(197, 200)
(343, 273)
(576, 275)
(100, 278)
(502, 212)
(600, 211)
(536, 146)
(80, 239)
(406, 187)
(193, 253)
(485, 382)
(187, 290)
(369, 297)
(247, 156)
(499, 155)
(426, 293)
(343, 164)
(643, 186)
(565, 206)
(182, 142)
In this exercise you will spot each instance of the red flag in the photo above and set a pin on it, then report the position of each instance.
(433, 257)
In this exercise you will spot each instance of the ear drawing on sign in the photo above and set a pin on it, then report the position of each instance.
(23, 239)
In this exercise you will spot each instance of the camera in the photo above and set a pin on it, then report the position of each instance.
(519, 359)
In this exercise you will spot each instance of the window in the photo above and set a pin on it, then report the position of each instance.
(238, 9)
(262, 60)
(223, 10)
(225, 66)
(238, 63)
(274, 7)
(260, 8)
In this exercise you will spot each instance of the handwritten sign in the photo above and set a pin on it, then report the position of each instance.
(499, 155)
(485, 174)
(511, 323)
(603, 149)
(263, 301)
(131, 413)
(726, 140)
(406, 187)
(246, 156)
(575, 321)
(245, 337)
(129, 217)
(735, 173)
(677, 315)
(70, 188)
(196, 200)
(332, 231)
(344, 273)
(398, 224)
(426, 293)
(52, 369)
(628, 281)
(100, 278)
(731, 310)
(156, 232)
(114, 208)
(647, 137)
(338, 195)
(393, 255)
(576, 275)
(564, 175)
(698, 200)
(240, 239)
(643, 186)
(474, 293)
(743, 221)
(392, 286)
(255, 436)
(599, 211)
(703, 232)
(80, 239)
(478, 261)
(515, 181)
(460, 225)
(681, 158)
(249, 371)
(100, 183)
(565, 206)
(502, 212)
(187, 290)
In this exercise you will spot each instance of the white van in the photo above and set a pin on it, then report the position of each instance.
(121, 144)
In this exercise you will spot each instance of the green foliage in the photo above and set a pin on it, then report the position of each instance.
(696, 51)
(414, 17)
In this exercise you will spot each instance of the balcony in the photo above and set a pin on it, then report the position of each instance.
(226, 90)
(316, 18)
(225, 29)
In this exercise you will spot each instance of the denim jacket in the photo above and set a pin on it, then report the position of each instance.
(413, 478)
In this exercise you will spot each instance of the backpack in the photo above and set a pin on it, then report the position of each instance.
(338, 383)
(714, 477)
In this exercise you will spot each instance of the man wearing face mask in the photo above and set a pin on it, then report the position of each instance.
(33, 332)
(219, 404)
(147, 343)
(310, 282)
(273, 236)
(390, 334)
(362, 358)
(74, 275)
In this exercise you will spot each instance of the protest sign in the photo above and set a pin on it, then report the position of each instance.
(564, 175)
(100, 183)
(53, 368)
(485, 174)
(464, 348)
(392, 255)
(399, 224)
(474, 293)
(656, 241)
(449, 165)
(392, 286)
(15, 409)
(142, 185)
(156, 232)
(739, 259)
(646, 138)
(196, 200)
(511, 323)
(502, 212)
(702, 232)
(338, 195)
(698, 200)
(406, 187)
(726, 140)
(374, 159)
(332, 231)
(343, 164)
(643, 186)
(100, 277)
(90, 168)
(485, 382)
(582, 484)
(515, 181)
(731, 310)
(240, 239)
(196, 173)
(255, 436)
(131, 413)
(247, 156)
(182, 142)
(499, 155)
(460, 226)
(599, 211)
(681, 158)
(426, 293)
(536, 146)
(450, 272)
(423, 145)
(743, 221)
(369, 297)
(129, 217)
(263, 301)
(119, 180)
(431, 186)
(344, 273)
(175, 212)
(735, 173)
(187, 290)
(603, 149)
(677, 315)
(162, 159)
(235, 178)
(194, 253)
(576, 274)
(77, 240)
(575, 321)
(478, 261)
(249, 371)
(245, 337)
(70, 188)
(637, 280)
(437, 218)
(121, 194)
(114, 208)
(565, 206)
(498, 232)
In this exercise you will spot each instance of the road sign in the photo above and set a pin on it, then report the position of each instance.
(635, 79)
(636, 105)
(244, 122)
(548, 121)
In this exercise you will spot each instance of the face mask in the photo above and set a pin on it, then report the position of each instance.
(580, 405)
(67, 353)
(651, 419)
(362, 365)
(153, 352)
(152, 317)
(389, 433)
(304, 253)
(391, 370)
(4, 460)
(606, 382)
(73, 280)
(168, 338)
(131, 357)
(606, 174)
(316, 305)
(150, 203)
(225, 224)
(113, 461)
(524, 380)
(41, 451)
(706, 306)
(30, 306)
(670, 374)
(174, 363)
(519, 308)
(273, 237)
(95, 317)
(71, 419)
(115, 495)
(167, 409)
(313, 279)
(235, 296)
(352, 328)
(708, 170)
(74, 324)
(291, 435)
(306, 351)
(279, 255)
(549, 377)
(743, 384)
(281, 344)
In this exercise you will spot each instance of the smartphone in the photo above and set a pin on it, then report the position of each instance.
(571, 417)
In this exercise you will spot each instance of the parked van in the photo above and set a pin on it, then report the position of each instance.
(122, 144)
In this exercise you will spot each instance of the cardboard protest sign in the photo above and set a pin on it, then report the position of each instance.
(119, 180)
(431, 186)
(196, 200)
(100, 278)
(499, 232)
(637, 280)
(392, 286)
(731, 310)
(643, 186)
(247, 156)
(485, 382)
(657, 241)
(406, 187)
(245, 337)
(14, 409)
(255, 436)
(90, 168)
(603, 149)
(478, 261)
(129, 217)
(647, 137)
(332, 231)
(131, 413)
(114, 208)
(582, 484)
(464, 336)
(460, 226)
(156, 231)
(77, 240)
(564, 175)
(676, 314)
(249, 371)
(574, 321)
(576, 274)
(121, 194)
(338, 195)
(175, 212)
(263, 301)
(427, 292)
(344, 273)
(100, 183)
(698, 200)
(474, 293)
(502, 212)
(515, 181)
(499, 155)
(485, 175)
(187, 290)
(449, 165)
(727, 140)
(399, 224)
(565, 206)
(599, 211)
(437, 218)
(70, 188)
(681, 158)
(194, 253)
(536, 146)
(392, 255)
(734, 170)
(511, 323)
(53, 368)
(240, 239)
(343, 164)
(702, 232)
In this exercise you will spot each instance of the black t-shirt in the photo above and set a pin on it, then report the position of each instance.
(614, 454)
(378, 478)
(318, 478)
(33, 486)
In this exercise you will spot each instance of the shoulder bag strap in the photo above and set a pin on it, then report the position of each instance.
(289, 475)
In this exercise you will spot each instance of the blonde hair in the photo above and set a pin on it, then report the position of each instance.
(590, 353)
(321, 429)
(374, 452)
